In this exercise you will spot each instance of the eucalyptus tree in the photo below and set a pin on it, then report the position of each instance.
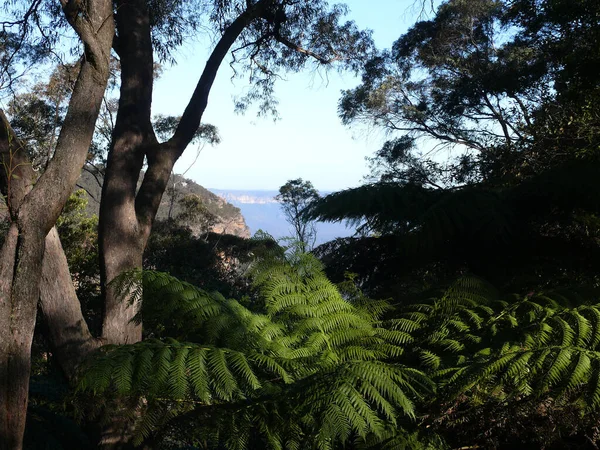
(262, 37)
(34, 206)
(509, 83)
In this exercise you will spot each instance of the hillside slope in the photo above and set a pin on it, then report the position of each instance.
(230, 218)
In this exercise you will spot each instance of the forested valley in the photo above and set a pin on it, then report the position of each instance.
(464, 313)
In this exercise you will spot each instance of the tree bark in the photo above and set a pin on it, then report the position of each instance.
(33, 211)
(16, 319)
(68, 331)
(16, 361)
(9, 437)
(121, 244)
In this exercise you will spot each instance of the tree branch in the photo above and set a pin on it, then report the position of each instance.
(292, 46)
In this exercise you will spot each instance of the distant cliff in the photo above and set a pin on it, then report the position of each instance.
(229, 217)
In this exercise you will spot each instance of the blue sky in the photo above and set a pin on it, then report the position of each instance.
(308, 141)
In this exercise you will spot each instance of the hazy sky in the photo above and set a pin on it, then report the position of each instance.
(308, 141)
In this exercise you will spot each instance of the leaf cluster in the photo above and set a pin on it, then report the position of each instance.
(542, 231)
(505, 83)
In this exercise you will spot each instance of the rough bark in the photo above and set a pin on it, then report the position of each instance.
(34, 212)
(7, 260)
(121, 245)
(15, 316)
(16, 362)
(69, 334)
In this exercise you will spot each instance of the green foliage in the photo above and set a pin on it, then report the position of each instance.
(195, 214)
(211, 261)
(165, 126)
(541, 232)
(516, 203)
(302, 364)
(36, 115)
(78, 234)
(509, 84)
(18, 55)
(317, 362)
(519, 354)
(413, 208)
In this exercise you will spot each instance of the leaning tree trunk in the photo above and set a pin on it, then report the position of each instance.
(33, 211)
(68, 332)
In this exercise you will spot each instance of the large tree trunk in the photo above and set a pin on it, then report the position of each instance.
(16, 361)
(9, 436)
(17, 305)
(121, 244)
(34, 210)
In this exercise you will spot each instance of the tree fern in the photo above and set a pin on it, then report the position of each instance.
(540, 232)
(303, 364)
(324, 364)
(537, 346)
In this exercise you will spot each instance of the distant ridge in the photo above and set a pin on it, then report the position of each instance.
(247, 197)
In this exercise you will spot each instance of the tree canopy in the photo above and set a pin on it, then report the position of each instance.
(489, 80)
(295, 197)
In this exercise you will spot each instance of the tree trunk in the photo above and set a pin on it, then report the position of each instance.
(69, 334)
(16, 361)
(121, 246)
(34, 210)
(9, 435)
(126, 217)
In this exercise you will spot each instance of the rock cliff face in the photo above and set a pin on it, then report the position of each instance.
(229, 217)
(236, 226)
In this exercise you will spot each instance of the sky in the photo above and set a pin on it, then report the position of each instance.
(308, 141)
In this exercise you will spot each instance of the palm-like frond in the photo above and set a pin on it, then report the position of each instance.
(304, 365)
(383, 206)
(323, 363)
(543, 230)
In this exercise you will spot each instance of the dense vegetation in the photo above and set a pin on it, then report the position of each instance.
(463, 314)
